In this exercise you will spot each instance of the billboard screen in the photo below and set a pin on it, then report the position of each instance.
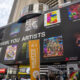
(15, 29)
(52, 18)
(53, 46)
(11, 52)
(74, 11)
(56, 43)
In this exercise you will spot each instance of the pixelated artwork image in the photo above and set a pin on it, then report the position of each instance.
(74, 11)
(52, 18)
(15, 29)
(53, 46)
(11, 52)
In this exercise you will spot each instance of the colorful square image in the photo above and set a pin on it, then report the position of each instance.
(31, 24)
(15, 29)
(74, 11)
(25, 49)
(53, 46)
(11, 52)
(77, 38)
(52, 18)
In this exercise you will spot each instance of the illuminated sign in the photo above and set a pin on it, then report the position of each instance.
(2, 70)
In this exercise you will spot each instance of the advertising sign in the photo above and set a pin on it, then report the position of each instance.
(52, 18)
(2, 70)
(74, 11)
(58, 33)
(53, 46)
(24, 69)
(10, 52)
(34, 55)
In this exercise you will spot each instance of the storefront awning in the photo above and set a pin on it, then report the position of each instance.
(3, 66)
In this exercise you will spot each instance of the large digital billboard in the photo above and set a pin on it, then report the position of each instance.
(56, 43)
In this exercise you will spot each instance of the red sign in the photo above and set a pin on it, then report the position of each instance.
(71, 58)
(2, 70)
(66, 59)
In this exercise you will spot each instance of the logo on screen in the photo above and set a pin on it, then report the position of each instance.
(31, 24)
(52, 18)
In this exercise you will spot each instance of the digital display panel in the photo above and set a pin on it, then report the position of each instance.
(11, 52)
(25, 50)
(52, 18)
(74, 11)
(53, 46)
(15, 29)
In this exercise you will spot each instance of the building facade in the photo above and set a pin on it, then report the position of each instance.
(20, 4)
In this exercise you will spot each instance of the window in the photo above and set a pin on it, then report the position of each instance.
(65, 1)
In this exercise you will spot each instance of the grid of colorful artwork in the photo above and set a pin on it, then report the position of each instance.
(52, 18)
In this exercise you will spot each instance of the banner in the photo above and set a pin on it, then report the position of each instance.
(34, 55)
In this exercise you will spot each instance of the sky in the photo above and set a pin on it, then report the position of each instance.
(5, 9)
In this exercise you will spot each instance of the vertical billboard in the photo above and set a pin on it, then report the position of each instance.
(34, 55)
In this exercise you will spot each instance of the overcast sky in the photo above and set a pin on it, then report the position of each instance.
(5, 9)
